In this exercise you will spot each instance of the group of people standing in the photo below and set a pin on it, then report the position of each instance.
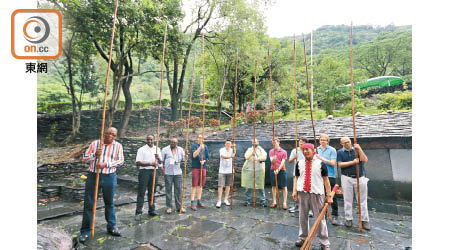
(314, 176)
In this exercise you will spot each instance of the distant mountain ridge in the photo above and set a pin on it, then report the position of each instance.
(337, 37)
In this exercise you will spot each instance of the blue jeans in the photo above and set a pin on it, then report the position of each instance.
(107, 183)
(249, 195)
(145, 178)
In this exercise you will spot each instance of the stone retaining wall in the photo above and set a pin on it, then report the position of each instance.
(57, 127)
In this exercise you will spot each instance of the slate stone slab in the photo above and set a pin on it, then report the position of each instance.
(224, 238)
(281, 232)
(147, 232)
(199, 228)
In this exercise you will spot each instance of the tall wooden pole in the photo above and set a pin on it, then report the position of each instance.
(187, 131)
(309, 92)
(254, 136)
(273, 119)
(234, 125)
(159, 114)
(354, 126)
(203, 127)
(97, 175)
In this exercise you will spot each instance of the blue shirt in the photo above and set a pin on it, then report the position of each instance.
(299, 155)
(329, 153)
(196, 160)
(346, 156)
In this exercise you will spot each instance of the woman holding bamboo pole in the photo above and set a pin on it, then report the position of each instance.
(311, 175)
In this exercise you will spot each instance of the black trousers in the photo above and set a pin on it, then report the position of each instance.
(145, 184)
(334, 206)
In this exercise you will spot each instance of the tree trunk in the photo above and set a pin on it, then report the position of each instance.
(126, 83)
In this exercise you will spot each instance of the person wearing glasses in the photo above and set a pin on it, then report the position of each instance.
(327, 154)
(104, 158)
(347, 162)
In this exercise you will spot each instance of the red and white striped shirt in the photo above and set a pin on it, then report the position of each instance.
(112, 154)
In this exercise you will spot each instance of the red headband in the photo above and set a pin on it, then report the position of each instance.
(308, 145)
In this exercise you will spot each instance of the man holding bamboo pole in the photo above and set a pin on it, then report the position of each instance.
(104, 160)
(148, 158)
(199, 156)
(311, 175)
(255, 176)
(278, 175)
(348, 164)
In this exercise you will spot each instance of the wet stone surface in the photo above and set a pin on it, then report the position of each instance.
(224, 228)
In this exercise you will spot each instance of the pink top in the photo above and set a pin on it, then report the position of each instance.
(281, 154)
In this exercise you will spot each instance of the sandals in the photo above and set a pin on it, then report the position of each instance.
(273, 205)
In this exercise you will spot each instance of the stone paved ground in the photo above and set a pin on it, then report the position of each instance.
(212, 228)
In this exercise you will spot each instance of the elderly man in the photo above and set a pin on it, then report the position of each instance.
(296, 153)
(227, 154)
(327, 155)
(104, 158)
(254, 154)
(347, 162)
(199, 156)
(172, 156)
(278, 158)
(148, 158)
(310, 178)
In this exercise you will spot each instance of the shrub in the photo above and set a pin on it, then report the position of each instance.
(215, 124)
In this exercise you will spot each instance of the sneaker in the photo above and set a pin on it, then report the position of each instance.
(245, 203)
(114, 232)
(348, 223)
(227, 202)
(323, 247)
(310, 214)
(218, 204)
(193, 206)
(83, 238)
(335, 221)
(264, 204)
(365, 225)
(292, 210)
(138, 217)
(299, 243)
(153, 213)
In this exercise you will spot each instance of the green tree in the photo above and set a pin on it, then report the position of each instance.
(139, 32)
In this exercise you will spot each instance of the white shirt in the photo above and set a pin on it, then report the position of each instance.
(145, 153)
(225, 164)
(317, 185)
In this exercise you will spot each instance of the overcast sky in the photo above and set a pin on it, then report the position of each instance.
(286, 17)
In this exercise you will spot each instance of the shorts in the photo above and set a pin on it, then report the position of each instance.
(224, 180)
(282, 179)
(196, 177)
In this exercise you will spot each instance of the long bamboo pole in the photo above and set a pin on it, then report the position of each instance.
(187, 131)
(309, 92)
(234, 125)
(97, 175)
(273, 119)
(295, 108)
(159, 114)
(354, 126)
(310, 239)
(254, 136)
(203, 127)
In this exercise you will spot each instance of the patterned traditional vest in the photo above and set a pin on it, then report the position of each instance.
(310, 179)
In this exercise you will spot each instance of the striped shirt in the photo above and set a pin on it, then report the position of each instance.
(112, 154)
